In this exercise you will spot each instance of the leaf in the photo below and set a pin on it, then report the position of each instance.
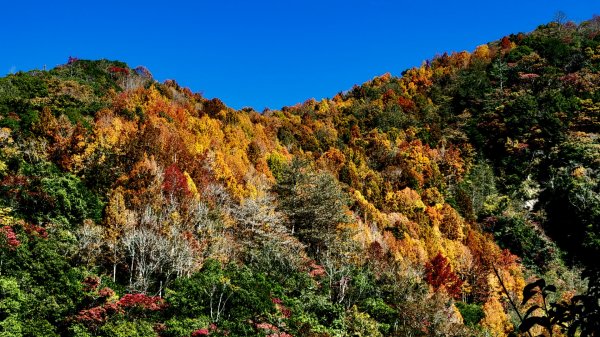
(531, 310)
(529, 292)
(530, 287)
(573, 328)
(527, 296)
(531, 321)
(541, 283)
(578, 300)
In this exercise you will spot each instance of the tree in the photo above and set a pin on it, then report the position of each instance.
(572, 202)
(11, 298)
(560, 17)
(439, 274)
(361, 324)
(268, 244)
(313, 202)
(175, 183)
(147, 252)
(499, 70)
(117, 218)
(229, 296)
(158, 250)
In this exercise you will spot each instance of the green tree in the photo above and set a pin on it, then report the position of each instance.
(499, 72)
(11, 298)
(572, 203)
(229, 296)
(314, 203)
(128, 329)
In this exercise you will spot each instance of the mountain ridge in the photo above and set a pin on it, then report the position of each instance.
(394, 208)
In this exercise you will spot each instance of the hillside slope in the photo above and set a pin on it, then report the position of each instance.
(413, 205)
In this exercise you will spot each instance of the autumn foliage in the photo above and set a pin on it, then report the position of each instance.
(175, 182)
(439, 275)
(408, 205)
(10, 237)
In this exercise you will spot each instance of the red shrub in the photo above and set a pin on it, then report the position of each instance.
(90, 283)
(153, 303)
(36, 230)
(119, 70)
(106, 292)
(10, 237)
(92, 316)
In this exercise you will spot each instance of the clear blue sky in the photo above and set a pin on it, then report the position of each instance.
(264, 53)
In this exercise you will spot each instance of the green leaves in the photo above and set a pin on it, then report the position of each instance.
(228, 296)
(72, 201)
(472, 313)
(11, 298)
(313, 201)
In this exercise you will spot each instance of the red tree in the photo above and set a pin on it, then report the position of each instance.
(505, 43)
(439, 274)
(175, 182)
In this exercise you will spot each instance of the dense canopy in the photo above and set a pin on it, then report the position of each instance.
(417, 205)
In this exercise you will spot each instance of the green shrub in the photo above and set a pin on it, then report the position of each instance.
(471, 313)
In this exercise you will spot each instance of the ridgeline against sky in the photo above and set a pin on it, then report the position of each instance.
(264, 53)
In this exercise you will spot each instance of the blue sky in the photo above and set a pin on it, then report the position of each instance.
(264, 53)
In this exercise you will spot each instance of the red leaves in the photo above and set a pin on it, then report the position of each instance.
(36, 230)
(99, 314)
(316, 270)
(285, 312)
(15, 186)
(272, 330)
(90, 283)
(10, 237)
(106, 292)
(528, 76)
(119, 70)
(505, 43)
(507, 259)
(130, 304)
(388, 96)
(199, 332)
(92, 316)
(406, 104)
(152, 303)
(439, 274)
(205, 332)
(143, 72)
(267, 326)
(175, 182)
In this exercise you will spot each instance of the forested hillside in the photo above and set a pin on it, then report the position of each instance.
(418, 205)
